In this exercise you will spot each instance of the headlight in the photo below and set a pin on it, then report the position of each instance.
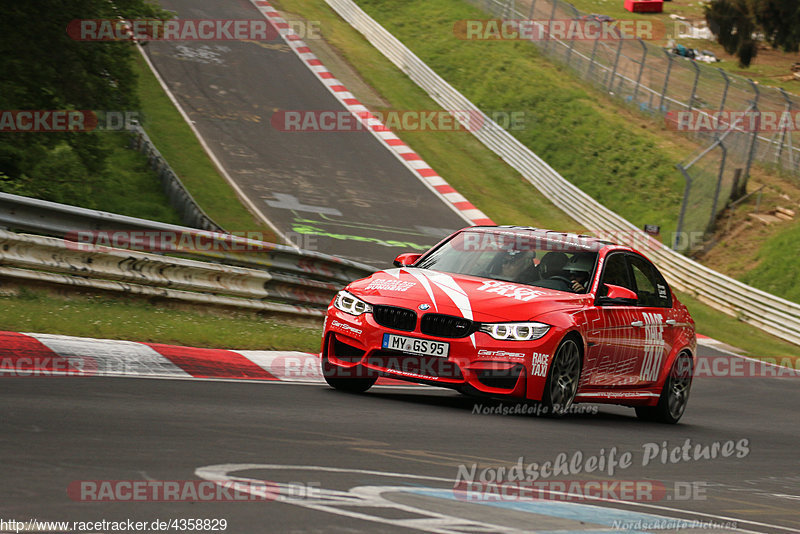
(515, 331)
(350, 304)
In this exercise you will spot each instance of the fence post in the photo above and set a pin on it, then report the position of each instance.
(641, 70)
(686, 189)
(724, 91)
(616, 64)
(753, 141)
(719, 186)
(666, 82)
(786, 130)
(575, 16)
(530, 13)
(694, 85)
(550, 25)
(592, 60)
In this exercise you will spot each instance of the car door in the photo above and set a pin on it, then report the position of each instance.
(615, 338)
(654, 301)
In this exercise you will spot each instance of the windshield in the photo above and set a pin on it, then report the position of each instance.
(521, 258)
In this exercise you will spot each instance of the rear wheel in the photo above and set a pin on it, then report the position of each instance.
(351, 379)
(675, 395)
(562, 380)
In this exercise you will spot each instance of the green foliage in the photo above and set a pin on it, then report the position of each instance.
(734, 22)
(777, 271)
(45, 69)
(123, 317)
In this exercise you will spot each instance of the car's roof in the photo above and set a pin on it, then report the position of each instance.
(570, 240)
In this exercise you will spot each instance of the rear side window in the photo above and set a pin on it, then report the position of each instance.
(651, 288)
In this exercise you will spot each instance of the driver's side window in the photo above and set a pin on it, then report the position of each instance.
(616, 273)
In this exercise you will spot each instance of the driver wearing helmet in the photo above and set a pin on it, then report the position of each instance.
(578, 269)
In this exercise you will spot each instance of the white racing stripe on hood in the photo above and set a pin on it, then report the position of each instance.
(456, 293)
(393, 272)
(419, 275)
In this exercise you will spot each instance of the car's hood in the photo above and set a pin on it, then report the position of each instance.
(479, 299)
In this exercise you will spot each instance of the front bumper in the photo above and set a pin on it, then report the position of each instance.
(478, 363)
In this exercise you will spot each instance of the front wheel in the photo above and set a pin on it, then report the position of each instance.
(562, 380)
(352, 380)
(675, 395)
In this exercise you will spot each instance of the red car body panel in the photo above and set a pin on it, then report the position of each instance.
(627, 350)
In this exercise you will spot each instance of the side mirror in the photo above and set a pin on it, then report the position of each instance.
(404, 260)
(617, 295)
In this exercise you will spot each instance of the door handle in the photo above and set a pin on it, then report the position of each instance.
(671, 322)
(637, 323)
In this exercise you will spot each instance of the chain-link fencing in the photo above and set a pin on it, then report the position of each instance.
(708, 103)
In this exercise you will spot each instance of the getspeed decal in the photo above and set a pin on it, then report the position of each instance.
(539, 364)
(346, 327)
(500, 354)
(513, 291)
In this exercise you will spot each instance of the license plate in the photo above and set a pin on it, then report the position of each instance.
(425, 347)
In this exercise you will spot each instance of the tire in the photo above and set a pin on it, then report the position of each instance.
(562, 379)
(675, 394)
(352, 380)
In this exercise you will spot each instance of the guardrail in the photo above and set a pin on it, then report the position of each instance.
(772, 314)
(120, 231)
(179, 197)
(255, 274)
(53, 260)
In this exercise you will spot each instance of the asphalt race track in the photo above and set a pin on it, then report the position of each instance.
(311, 185)
(329, 447)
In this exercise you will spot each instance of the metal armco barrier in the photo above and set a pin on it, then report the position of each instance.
(54, 260)
(758, 308)
(61, 220)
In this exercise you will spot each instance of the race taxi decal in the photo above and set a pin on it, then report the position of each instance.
(384, 284)
(500, 354)
(346, 327)
(653, 346)
(539, 364)
(514, 291)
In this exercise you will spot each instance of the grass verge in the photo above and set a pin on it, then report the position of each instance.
(179, 146)
(111, 317)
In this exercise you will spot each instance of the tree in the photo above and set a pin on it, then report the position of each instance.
(735, 23)
(44, 69)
